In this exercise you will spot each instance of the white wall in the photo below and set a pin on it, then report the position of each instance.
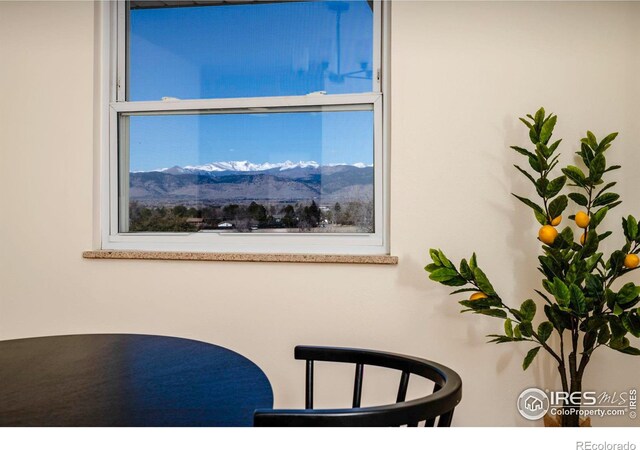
(462, 73)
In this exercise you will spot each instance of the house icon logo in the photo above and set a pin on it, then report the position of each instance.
(533, 404)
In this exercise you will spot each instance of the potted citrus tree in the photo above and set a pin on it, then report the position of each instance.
(586, 305)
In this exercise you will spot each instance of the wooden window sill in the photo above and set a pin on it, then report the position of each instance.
(242, 257)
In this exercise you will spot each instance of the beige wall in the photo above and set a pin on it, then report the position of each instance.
(462, 72)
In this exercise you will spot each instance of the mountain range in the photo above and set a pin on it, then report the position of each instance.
(244, 181)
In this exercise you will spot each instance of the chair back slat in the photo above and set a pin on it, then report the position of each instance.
(438, 406)
(402, 389)
(357, 386)
(445, 419)
(432, 421)
(308, 397)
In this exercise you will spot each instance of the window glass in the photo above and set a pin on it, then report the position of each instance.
(250, 50)
(252, 172)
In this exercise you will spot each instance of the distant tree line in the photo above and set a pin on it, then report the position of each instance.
(246, 217)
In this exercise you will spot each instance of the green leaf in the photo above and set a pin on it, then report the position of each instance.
(528, 310)
(516, 332)
(531, 354)
(525, 173)
(604, 335)
(443, 274)
(541, 218)
(500, 339)
(620, 343)
(483, 282)
(593, 285)
(585, 153)
(609, 169)
(434, 256)
(544, 331)
(579, 199)
(445, 261)
(492, 312)
(590, 244)
(627, 293)
(589, 340)
(567, 236)
(543, 296)
(522, 151)
(632, 323)
(617, 310)
(530, 204)
(508, 328)
(542, 162)
(593, 142)
(597, 167)
(605, 199)
(465, 270)
(608, 186)
(616, 260)
(630, 351)
(539, 117)
(554, 146)
(526, 329)
(593, 323)
(617, 329)
(592, 261)
(431, 267)
(603, 236)
(614, 204)
(557, 206)
(599, 216)
(455, 281)
(578, 299)
(459, 291)
(535, 164)
(541, 186)
(473, 262)
(604, 143)
(547, 129)
(575, 174)
(555, 186)
(561, 292)
(631, 229)
(526, 122)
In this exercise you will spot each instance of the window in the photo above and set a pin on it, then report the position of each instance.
(245, 127)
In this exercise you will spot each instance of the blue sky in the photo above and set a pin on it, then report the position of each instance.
(250, 51)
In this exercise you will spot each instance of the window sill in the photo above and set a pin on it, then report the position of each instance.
(243, 257)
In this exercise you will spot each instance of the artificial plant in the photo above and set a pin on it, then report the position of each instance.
(583, 304)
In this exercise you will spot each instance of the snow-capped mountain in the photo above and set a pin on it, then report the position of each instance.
(247, 166)
(243, 181)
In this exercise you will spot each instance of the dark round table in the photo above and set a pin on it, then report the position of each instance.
(103, 380)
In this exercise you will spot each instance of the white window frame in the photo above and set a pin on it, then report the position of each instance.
(113, 104)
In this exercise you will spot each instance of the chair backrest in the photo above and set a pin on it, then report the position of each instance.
(435, 409)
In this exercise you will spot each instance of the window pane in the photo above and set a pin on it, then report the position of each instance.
(250, 50)
(308, 172)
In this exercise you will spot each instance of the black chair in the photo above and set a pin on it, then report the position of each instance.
(438, 406)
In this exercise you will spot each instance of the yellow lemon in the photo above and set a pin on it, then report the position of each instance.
(582, 219)
(547, 234)
(631, 261)
(478, 296)
(582, 238)
(555, 222)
